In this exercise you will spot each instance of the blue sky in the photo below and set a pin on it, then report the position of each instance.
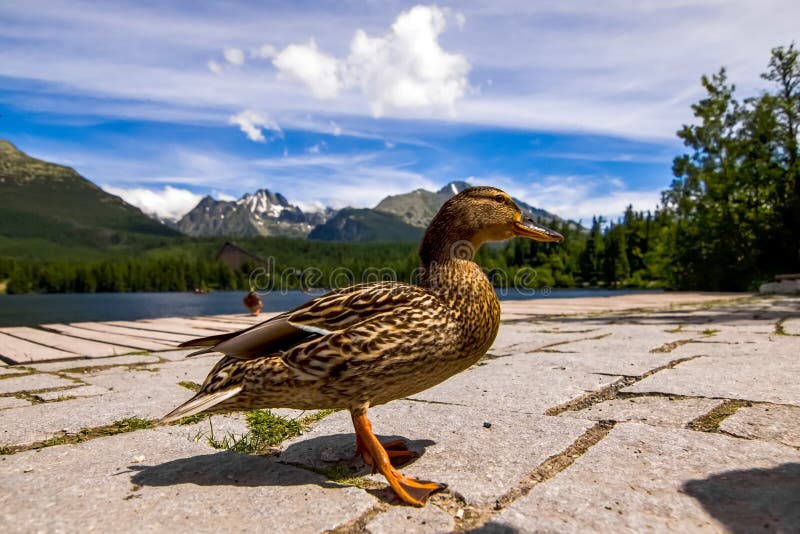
(570, 106)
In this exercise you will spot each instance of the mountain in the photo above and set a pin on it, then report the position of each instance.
(363, 225)
(262, 213)
(41, 200)
(399, 217)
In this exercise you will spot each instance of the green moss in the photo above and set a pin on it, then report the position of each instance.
(117, 427)
(193, 386)
(710, 422)
(192, 419)
(343, 475)
(709, 331)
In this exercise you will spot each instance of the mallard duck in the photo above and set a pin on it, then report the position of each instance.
(253, 302)
(368, 344)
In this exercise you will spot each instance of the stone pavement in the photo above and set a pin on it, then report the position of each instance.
(663, 412)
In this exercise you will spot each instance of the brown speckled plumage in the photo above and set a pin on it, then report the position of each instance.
(369, 344)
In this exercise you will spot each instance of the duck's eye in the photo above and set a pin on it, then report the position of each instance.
(500, 198)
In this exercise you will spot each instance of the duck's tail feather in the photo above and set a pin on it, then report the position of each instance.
(200, 403)
(208, 343)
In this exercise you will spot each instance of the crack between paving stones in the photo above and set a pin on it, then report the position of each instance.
(711, 421)
(780, 330)
(74, 336)
(359, 524)
(121, 426)
(480, 516)
(544, 348)
(424, 401)
(610, 391)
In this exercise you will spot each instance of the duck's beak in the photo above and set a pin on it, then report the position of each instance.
(527, 228)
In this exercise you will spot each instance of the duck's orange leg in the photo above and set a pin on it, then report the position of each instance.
(397, 450)
(412, 491)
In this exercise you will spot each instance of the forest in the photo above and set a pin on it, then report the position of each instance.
(729, 220)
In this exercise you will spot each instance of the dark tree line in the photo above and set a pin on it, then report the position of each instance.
(736, 196)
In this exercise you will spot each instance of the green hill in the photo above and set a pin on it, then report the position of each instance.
(45, 201)
(365, 225)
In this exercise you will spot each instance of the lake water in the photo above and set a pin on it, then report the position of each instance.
(28, 310)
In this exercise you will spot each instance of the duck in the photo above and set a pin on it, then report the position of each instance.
(368, 344)
(253, 302)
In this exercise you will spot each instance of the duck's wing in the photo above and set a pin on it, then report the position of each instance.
(329, 313)
(331, 337)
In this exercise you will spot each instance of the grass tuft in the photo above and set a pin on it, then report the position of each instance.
(265, 430)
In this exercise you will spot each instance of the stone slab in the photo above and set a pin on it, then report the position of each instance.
(768, 422)
(22, 351)
(763, 372)
(172, 339)
(226, 325)
(243, 318)
(168, 327)
(527, 383)
(33, 382)
(514, 339)
(82, 347)
(556, 306)
(792, 326)
(213, 327)
(11, 371)
(146, 394)
(659, 411)
(643, 478)
(455, 447)
(408, 520)
(80, 391)
(108, 337)
(182, 354)
(90, 363)
(148, 481)
(12, 402)
(151, 379)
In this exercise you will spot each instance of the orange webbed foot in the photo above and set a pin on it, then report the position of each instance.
(383, 457)
(412, 490)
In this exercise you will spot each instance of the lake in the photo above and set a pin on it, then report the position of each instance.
(28, 310)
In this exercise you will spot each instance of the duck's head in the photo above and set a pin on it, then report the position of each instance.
(475, 216)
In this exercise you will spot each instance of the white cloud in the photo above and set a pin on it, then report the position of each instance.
(310, 207)
(214, 67)
(234, 56)
(224, 196)
(582, 197)
(304, 62)
(622, 67)
(252, 123)
(406, 68)
(167, 203)
(265, 51)
(461, 20)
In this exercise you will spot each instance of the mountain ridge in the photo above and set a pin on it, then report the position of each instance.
(39, 199)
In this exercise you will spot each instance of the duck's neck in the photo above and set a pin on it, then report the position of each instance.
(463, 287)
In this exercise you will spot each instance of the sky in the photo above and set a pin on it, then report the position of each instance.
(571, 106)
